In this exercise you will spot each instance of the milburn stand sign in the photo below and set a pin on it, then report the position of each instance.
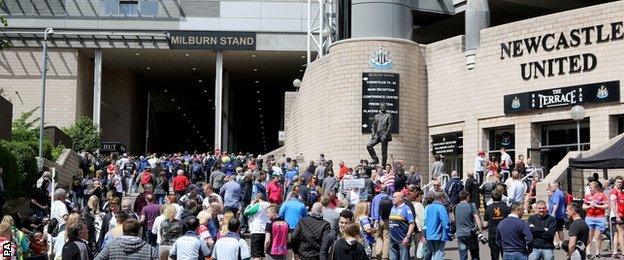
(212, 40)
(379, 88)
(593, 93)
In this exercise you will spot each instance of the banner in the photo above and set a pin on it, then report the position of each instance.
(355, 183)
(594, 93)
(212, 40)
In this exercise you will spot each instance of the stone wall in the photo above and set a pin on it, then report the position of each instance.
(67, 165)
(120, 94)
(20, 80)
(326, 116)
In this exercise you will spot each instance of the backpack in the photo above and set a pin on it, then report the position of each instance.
(260, 189)
(196, 169)
(146, 178)
(385, 206)
(312, 195)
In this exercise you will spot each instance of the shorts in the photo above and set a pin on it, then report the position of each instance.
(257, 245)
(596, 223)
(560, 224)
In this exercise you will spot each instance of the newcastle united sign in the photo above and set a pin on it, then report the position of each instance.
(568, 96)
(212, 40)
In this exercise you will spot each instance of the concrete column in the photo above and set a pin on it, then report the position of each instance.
(522, 140)
(598, 129)
(97, 88)
(218, 99)
(477, 18)
(381, 18)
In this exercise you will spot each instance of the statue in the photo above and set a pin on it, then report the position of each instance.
(382, 133)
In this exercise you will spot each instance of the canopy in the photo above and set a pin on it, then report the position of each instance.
(612, 157)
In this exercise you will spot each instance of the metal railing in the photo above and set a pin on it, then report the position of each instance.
(443, 178)
(532, 174)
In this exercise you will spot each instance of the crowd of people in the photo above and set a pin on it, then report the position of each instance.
(226, 206)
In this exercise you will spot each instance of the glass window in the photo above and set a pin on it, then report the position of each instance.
(503, 137)
(149, 8)
(564, 133)
(128, 7)
(620, 124)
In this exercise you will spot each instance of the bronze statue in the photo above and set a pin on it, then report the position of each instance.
(382, 133)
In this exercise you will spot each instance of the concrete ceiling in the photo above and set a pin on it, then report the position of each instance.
(435, 27)
(181, 83)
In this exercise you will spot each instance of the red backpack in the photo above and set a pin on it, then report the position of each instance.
(146, 178)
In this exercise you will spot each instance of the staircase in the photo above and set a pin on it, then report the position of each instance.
(559, 172)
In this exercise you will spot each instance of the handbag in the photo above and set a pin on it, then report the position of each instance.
(420, 250)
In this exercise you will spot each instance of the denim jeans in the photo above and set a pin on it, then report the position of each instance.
(434, 250)
(542, 254)
(399, 251)
(468, 243)
(514, 256)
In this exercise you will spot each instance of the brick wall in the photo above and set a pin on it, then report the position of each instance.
(326, 116)
(20, 80)
(119, 108)
(472, 101)
(84, 88)
(289, 100)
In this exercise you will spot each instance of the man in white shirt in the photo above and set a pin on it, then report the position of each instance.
(479, 166)
(59, 209)
(506, 163)
(258, 218)
(210, 196)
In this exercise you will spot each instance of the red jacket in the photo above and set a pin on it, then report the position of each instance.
(342, 171)
(274, 192)
(180, 183)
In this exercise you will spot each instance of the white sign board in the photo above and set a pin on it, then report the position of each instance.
(355, 183)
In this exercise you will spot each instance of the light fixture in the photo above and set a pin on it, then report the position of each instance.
(326, 32)
(257, 81)
(136, 53)
(183, 114)
(173, 100)
(303, 56)
(296, 83)
(255, 70)
(300, 70)
(186, 54)
(193, 126)
(179, 108)
(257, 91)
(197, 131)
(166, 90)
(253, 55)
(148, 68)
(206, 91)
(194, 69)
(200, 81)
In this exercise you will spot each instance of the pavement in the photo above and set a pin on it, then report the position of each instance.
(452, 253)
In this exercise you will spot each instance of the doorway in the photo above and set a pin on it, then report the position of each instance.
(560, 138)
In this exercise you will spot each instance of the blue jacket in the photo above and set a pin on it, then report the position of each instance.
(453, 187)
(437, 224)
